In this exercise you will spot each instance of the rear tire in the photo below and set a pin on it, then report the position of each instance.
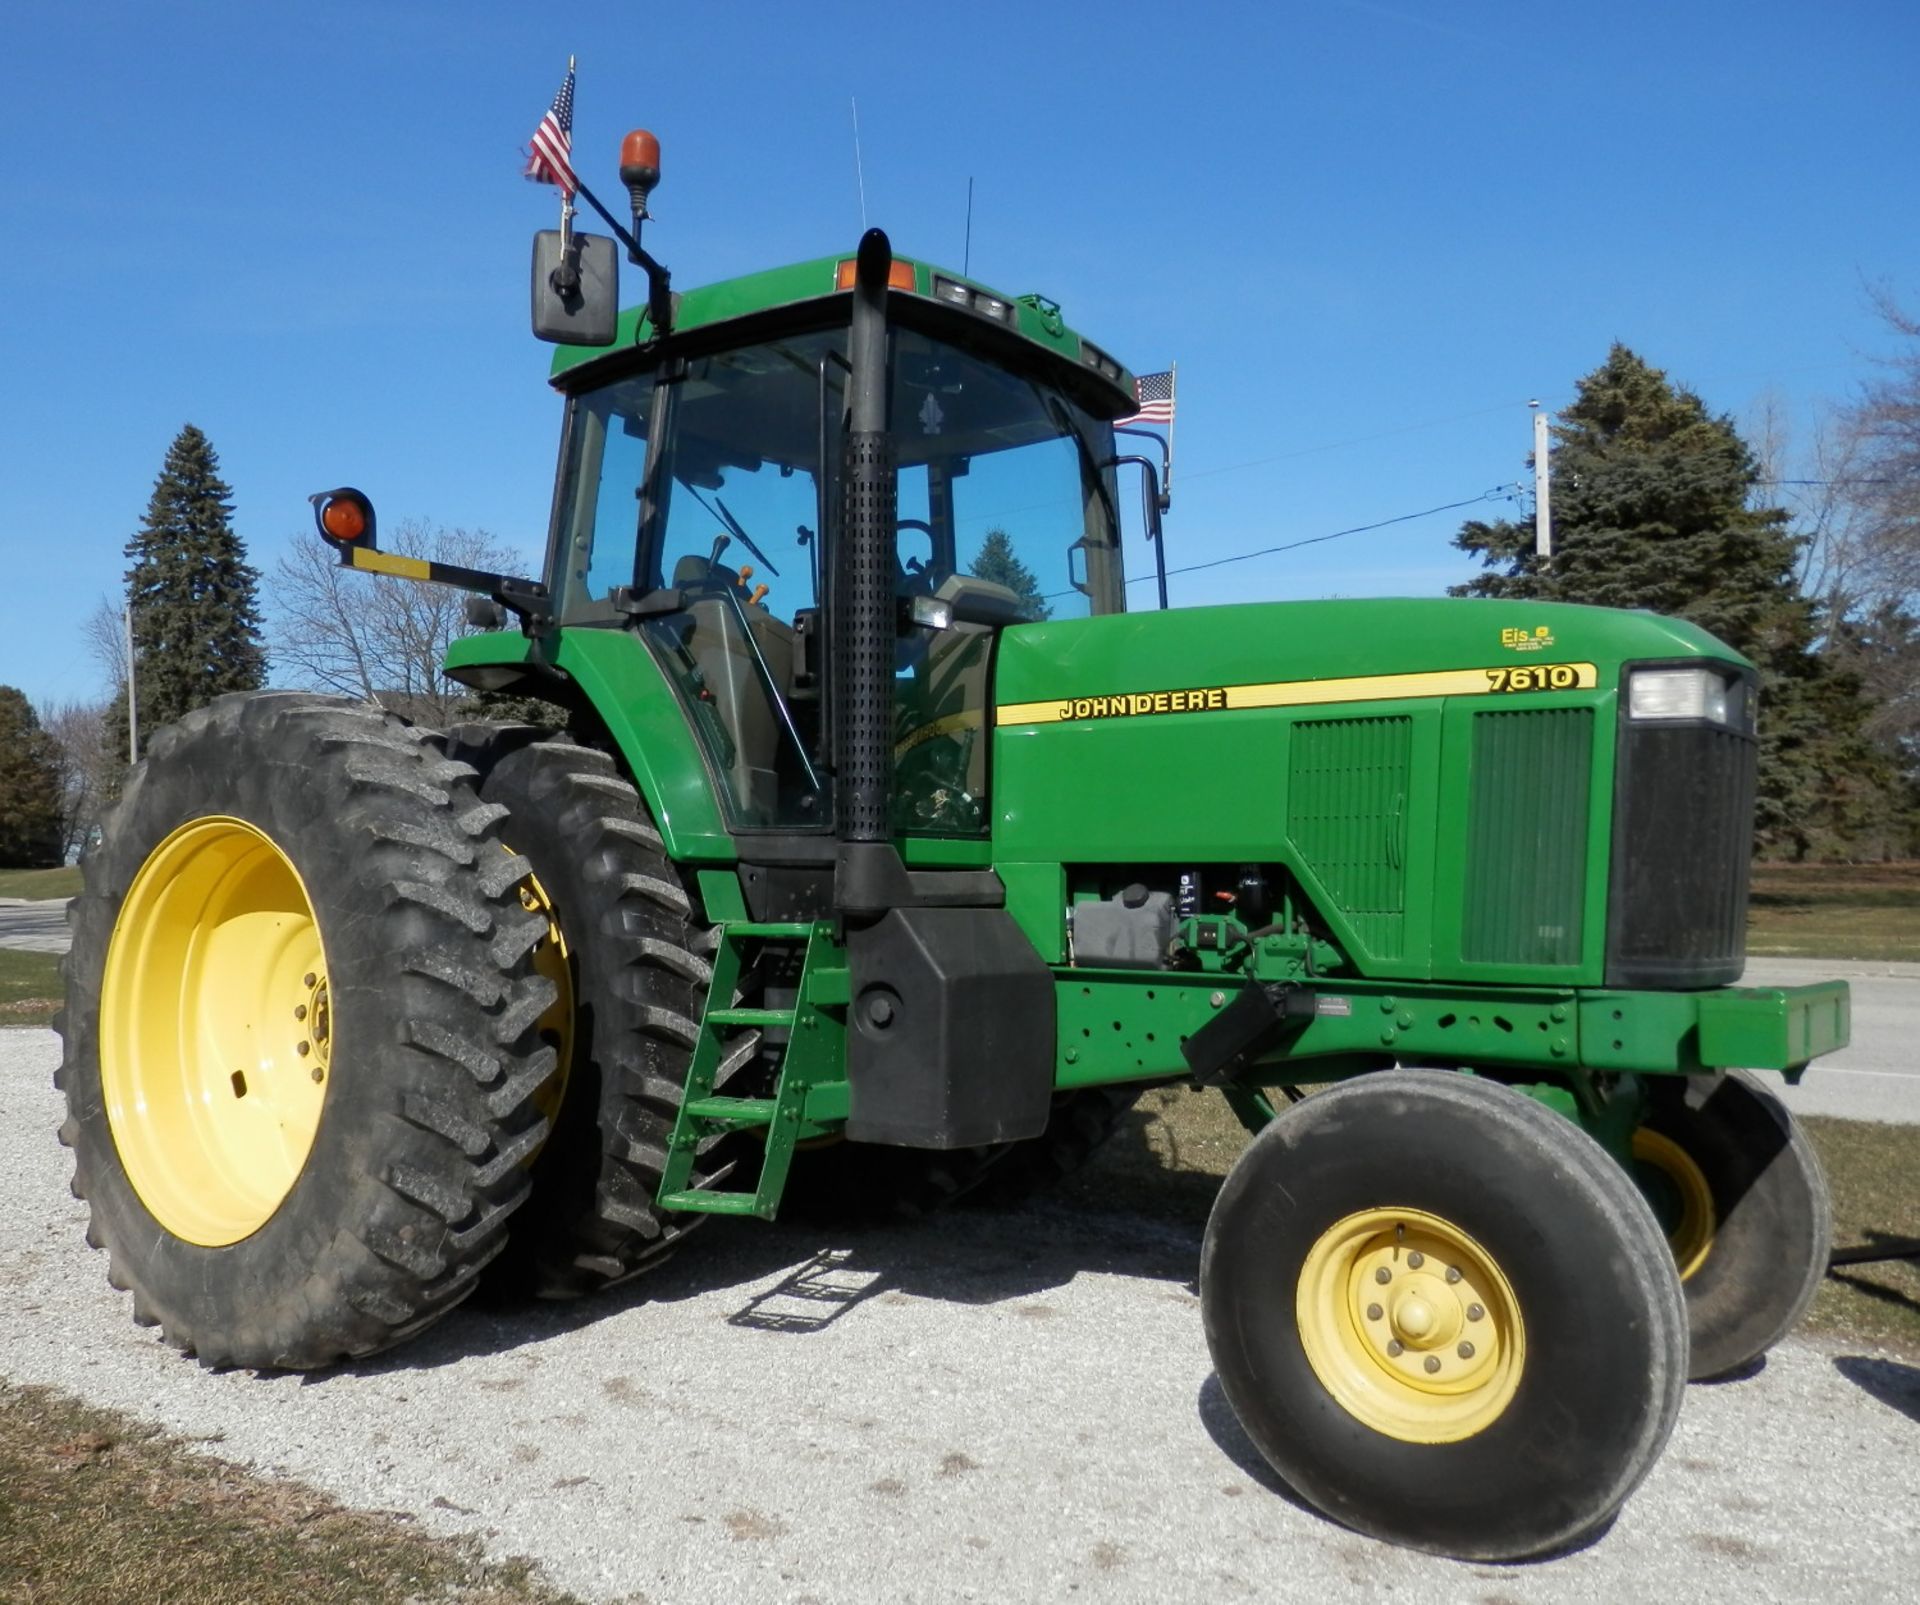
(1745, 1201)
(639, 989)
(1496, 1435)
(299, 1062)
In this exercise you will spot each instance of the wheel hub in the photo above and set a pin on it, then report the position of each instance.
(1681, 1196)
(1411, 1325)
(216, 1030)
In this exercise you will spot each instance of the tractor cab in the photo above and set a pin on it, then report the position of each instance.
(700, 500)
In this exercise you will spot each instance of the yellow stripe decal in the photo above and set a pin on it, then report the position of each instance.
(952, 724)
(1507, 678)
(406, 568)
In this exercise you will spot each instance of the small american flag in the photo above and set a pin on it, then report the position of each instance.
(547, 162)
(1154, 392)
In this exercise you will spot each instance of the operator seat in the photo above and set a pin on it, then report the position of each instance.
(742, 698)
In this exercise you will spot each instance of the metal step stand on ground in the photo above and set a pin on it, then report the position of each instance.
(812, 1054)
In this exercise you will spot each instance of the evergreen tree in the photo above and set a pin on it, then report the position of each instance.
(996, 562)
(196, 617)
(31, 836)
(1656, 505)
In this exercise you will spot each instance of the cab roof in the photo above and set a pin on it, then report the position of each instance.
(1033, 318)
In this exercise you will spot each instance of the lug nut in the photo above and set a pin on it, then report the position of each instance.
(1432, 1363)
(1416, 1259)
(1474, 1312)
(1453, 1273)
(304, 1049)
(319, 1074)
(299, 1011)
(307, 979)
(1374, 1312)
(1396, 1348)
(1465, 1351)
(1383, 1276)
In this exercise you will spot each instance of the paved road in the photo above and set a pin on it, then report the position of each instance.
(1877, 1075)
(40, 925)
(992, 1408)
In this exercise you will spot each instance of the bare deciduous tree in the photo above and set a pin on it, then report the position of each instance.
(87, 767)
(105, 631)
(380, 639)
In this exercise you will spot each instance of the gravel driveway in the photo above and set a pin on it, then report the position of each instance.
(1012, 1408)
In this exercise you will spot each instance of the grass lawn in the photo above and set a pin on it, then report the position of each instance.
(100, 1509)
(30, 989)
(40, 882)
(1835, 911)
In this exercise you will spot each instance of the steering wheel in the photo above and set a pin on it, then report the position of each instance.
(912, 579)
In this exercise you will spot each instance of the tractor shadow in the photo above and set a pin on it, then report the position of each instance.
(822, 1274)
(1129, 1212)
(1889, 1381)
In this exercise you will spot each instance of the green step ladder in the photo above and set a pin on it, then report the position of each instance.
(811, 1054)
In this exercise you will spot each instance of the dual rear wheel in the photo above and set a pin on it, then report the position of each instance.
(303, 1066)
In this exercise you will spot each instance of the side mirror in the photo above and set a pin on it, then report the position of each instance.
(576, 289)
(1152, 500)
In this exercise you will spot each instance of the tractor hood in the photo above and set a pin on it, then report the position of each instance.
(1292, 653)
(1384, 750)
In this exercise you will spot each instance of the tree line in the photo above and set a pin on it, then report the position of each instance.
(1808, 563)
(1810, 567)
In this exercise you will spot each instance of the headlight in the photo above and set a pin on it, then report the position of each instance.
(1682, 694)
(982, 301)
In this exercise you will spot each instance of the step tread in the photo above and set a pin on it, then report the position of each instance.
(750, 1016)
(756, 1111)
(712, 1203)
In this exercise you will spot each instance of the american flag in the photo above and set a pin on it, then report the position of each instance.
(548, 162)
(1154, 392)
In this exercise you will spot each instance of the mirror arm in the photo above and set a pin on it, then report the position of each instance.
(1166, 460)
(659, 280)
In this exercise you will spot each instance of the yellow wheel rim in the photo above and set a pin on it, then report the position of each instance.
(216, 1031)
(555, 1027)
(1411, 1325)
(1688, 1213)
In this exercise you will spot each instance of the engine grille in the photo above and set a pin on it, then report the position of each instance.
(1682, 851)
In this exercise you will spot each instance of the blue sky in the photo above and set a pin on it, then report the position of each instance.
(1367, 230)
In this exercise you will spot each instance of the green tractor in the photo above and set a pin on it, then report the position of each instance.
(867, 870)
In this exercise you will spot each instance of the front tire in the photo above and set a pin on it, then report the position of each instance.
(1740, 1189)
(299, 1059)
(1444, 1315)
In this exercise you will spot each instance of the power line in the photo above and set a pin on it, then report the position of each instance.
(1356, 440)
(1497, 493)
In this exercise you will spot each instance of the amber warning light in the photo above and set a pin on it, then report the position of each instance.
(344, 516)
(639, 169)
(899, 275)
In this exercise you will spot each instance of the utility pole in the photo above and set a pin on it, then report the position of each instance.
(133, 715)
(1542, 489)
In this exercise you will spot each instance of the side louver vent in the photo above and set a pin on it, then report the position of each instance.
(1347, 818)
(1527, 809)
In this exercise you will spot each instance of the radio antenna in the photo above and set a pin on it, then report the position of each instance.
(966, 259)
(859, 172)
